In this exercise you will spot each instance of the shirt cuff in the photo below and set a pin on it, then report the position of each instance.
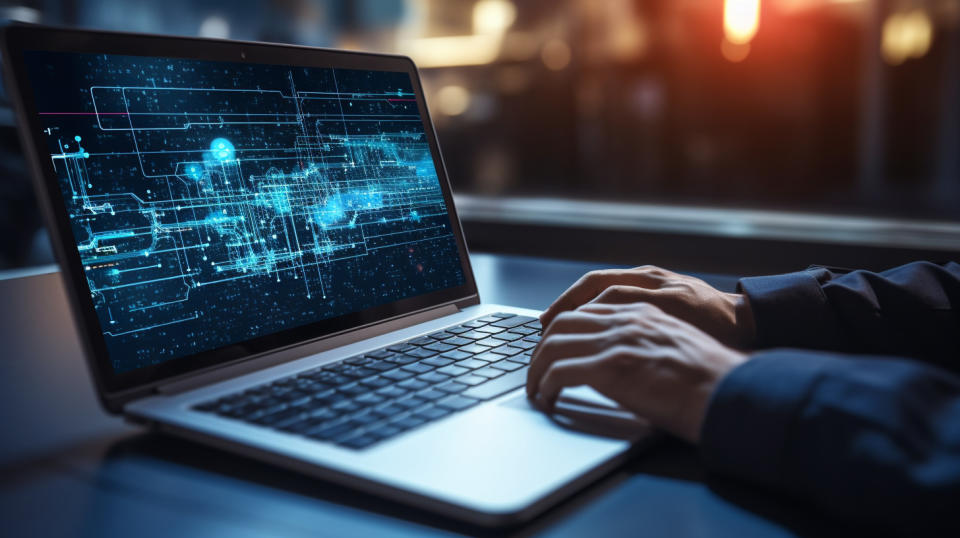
(751, 412)
(791, 310)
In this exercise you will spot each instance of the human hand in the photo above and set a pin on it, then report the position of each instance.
(657, 366)
(725, 316)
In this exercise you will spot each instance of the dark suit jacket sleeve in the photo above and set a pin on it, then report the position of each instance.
(873, 440)
(912, 310)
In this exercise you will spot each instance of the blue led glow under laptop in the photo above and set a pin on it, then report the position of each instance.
(262, 254)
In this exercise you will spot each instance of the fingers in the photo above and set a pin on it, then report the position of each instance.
(567, 373)
(563, 346)
(595, 282)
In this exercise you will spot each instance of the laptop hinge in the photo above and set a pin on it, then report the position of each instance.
(299, 351)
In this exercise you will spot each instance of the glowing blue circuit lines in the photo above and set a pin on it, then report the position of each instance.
(213, 202)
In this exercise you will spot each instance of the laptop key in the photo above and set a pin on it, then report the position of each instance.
(457, 330)
(422, 341)
(395, 391)
(369, 399)
(433, 377)
(346, 406)
(380, 354)
(488, 319)
(365, 419)
(525, 331)
(323, 413)
(437, 361)
(432, 412)
(489, 356)
(508, 336)
(521, 359)
(431, 394)
(407, 422)
(439, 347)
(452, 387)
(532, 338)
(503, 315)
(490, 329)
(498, 386)
(473, 324)
(457, 341)
(474, 335)
(413, 384)
(421, 353)
(401, 348)
(534, 325)
(513, 321)
(453, 369)
(457, 402)
(418, 368)
(489, 372)
(411, 402)
(506, 365)
(473, 349)
(359, 441)
(384, 431)
(440, 335)
(472, 364)
(401, 359)
(329, 431)
(376, 382)
(490, 342)
(398, 375)
(353, 389)
(525, 344)
(457, 354)
(471, 379)
(380, 366)
(388, 410)
(507, 350)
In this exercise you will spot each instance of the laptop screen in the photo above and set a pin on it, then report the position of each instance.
(212, 203)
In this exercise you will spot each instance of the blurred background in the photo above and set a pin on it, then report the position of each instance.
(717, 135)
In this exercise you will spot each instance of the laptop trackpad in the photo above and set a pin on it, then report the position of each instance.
(585, 410)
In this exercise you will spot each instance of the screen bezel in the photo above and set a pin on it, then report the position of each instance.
(115, 389)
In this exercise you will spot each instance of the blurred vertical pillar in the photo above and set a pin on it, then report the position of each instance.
(946, 192)
(872, 120)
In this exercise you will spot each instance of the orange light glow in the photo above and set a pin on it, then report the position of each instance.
(741, 19)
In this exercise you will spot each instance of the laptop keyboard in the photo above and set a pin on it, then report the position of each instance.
(362, 400)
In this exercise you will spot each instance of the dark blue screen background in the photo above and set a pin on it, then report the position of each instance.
(215, 202)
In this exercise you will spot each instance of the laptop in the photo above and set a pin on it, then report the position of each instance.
(262, 254)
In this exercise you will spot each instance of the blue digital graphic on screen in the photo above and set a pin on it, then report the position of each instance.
(216, 202)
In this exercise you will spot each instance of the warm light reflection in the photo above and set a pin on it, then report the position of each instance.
(556, 54)
(906, 35)
(741, 19)
(452, 50)
(493, 16)
(453, 100)
(734, 52)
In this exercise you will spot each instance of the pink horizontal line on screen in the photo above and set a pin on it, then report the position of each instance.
(83, 113)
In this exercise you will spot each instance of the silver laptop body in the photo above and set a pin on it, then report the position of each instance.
(184, 179)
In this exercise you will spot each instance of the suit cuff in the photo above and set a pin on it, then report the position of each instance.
(791, 310)
(750, 415)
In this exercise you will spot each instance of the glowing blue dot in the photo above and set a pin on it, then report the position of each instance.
(86, 155)
(77, 138)
(194, 172)
(222, 149)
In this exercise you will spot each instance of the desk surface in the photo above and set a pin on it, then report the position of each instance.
(67, 468)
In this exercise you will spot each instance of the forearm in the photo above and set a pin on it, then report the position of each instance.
(874, 441)
(910, 310)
